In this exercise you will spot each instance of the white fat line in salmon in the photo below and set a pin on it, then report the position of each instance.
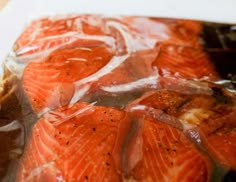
(76, 59)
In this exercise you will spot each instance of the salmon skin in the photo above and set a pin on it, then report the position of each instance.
(208, 119)
(95, 143)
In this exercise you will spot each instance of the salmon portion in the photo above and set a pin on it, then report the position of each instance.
(50, 83)
(212, 117)
(169, 156)
(52, 33)
(219, 136)
(167, 31)
(80, 143)
(184, 62)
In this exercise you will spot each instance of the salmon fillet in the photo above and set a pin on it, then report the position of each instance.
(79, 143)
(208, 119)
(169, 156)
(167, 31)
(46, 34)
(50, 83)
(184, 62)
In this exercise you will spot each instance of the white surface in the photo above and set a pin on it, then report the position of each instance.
(18, 12)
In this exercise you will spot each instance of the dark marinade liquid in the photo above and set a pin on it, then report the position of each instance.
(16, 121)
(219, 42)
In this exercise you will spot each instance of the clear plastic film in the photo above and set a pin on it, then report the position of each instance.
(85, 97)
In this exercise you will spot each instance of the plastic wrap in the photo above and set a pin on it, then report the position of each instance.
(98, 98)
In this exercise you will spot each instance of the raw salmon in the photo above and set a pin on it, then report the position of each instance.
(209, 119)
(169, 156)
(184, 62)
(167, 31)
(50, 83)
(51, 33)
(79, 143)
